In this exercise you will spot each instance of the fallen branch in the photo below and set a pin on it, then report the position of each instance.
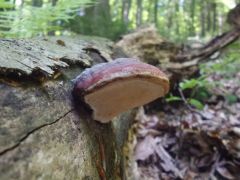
(209, 49)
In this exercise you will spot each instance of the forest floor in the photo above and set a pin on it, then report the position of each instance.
(179, 142)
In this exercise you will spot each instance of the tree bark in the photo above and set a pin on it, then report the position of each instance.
(44, 133)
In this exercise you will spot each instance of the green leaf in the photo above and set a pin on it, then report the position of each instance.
(188, 84)
(196, 103)
(231, 99)
(173, 98)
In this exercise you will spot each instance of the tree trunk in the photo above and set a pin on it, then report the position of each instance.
(126, 6)
(214, 17)
(37, 3)
(139, 13)
(54, 2)
(52, 33)
(156, 12)
(209, 16)
(94, 20)
(176, 19)
(169, 16)
(192, 27)
(203, 16)
(43, 133)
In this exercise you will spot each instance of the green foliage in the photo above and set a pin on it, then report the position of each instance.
(28, 21)
(198, 87)
(176, 20)
(198, 92)
(227, 65)
(172, 98)
(231, 99)
(5, 5)
(193, 83)
(199, 105)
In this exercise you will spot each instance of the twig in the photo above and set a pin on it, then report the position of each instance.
(185, 100)
(189, 106)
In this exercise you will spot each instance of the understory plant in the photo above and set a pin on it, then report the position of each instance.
(28, 21)
(196, 90)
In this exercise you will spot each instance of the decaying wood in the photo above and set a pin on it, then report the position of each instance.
(47, 55)
(43, 134)
(148, 46)
(192, 58)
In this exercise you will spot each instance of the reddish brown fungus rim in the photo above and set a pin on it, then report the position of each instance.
(163, 81)
(85, 81)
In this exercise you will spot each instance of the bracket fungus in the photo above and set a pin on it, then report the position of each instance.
(112, 88)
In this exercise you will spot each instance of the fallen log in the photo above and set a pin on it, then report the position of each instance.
(42, 133)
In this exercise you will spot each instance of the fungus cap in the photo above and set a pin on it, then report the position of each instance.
(112, 88)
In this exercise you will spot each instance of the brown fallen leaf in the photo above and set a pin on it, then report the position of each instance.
(144, 148)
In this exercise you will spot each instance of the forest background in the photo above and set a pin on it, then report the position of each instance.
(175, 19)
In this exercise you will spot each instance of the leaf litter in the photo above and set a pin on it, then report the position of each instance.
(177, 143)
